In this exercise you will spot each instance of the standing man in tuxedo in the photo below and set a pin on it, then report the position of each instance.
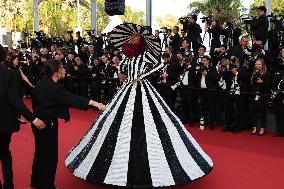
(193, 33)
(11, 105)
(175, 40)
(169, 77)
(260, 25)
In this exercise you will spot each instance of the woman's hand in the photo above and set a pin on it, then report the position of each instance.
(100, 106)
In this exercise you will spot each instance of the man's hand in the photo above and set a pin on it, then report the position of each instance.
(39, 124)
(259, 81)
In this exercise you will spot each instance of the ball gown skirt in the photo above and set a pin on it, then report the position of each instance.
(138, 142)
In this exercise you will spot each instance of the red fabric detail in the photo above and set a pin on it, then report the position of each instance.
(133, 50)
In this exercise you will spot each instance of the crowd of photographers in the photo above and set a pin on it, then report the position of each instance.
(234, 86)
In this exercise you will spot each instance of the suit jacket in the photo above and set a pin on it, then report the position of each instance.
(193, 32)
(11, 105)
(211, 79)
(260, 28)
(173, 71)
(175, 43)
(51, 101)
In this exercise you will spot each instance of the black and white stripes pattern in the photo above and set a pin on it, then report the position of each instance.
(123, 32)
(138, 142)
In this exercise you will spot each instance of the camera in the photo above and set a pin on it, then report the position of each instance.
(203, 68)
(207, 19)
(70, 32)
(247, 20)
(163, 30)
(256, 76)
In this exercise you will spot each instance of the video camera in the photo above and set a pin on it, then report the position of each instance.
(207, 19)
(163, 30)
(70, 32)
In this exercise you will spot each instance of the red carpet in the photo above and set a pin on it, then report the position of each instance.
(241, 161)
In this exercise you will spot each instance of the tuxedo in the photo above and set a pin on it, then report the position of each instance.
(96, 81)
(175, 43)
(208, 85)
(82, 75)
(188, 95)
(110, 81)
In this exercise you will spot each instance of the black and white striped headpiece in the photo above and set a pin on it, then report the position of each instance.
(123, 32)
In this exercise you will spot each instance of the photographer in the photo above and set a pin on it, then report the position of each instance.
(242, 51)
(219, 54)
(69, 79)
(167, 38)
(196, 61)
(186, 83)
(261, 85)
(97, 78)
(237, 83)
(193, 31)
(208, 83)
(157, 36)
(175, 40)
(232, 34)
(260, 25)
(81, 73)
(79, 41)
(216, 31)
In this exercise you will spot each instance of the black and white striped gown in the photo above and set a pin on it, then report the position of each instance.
(138, 141)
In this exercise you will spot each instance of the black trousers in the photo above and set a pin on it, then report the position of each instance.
(189, 104)
(6, 160)
(207, 108)
(109, 90)
(235, 108)
(82, 87)
(168, 95)
(279, 115)
(45, 157)
(258, 111)
(96, 88)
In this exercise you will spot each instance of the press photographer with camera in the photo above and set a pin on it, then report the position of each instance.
(175, 40)
(260, 25)
(193, 31)
(207, 78)
(261, 85)
(242, 51)
(232, 34)
(214, 28)
(237, 82)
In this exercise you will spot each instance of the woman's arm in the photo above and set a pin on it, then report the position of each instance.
(25, 78)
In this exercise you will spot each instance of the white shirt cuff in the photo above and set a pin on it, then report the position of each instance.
(35, 120)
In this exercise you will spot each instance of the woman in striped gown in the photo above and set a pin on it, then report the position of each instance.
(138, 142)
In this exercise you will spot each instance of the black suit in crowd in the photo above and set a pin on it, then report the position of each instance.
(260, 27)
(110, 81)
(11, 106)
(279, 104)
(173, 70)
(96, 81)
(50, 102)
(232, 36)
(236, 100)
(208, 96)
(239, 53)
(175, 43)
(187, 81)
(69, 79)
(193, 34)
(215, 32)
(82, 75)
(259, 102)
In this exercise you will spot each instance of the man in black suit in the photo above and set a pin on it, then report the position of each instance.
(260, 25)
(11, 105)
(175, 40)
(81, 73)
(169, 77)
(208, 82)
(193, 33)
(97, 78)
(242, 51)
